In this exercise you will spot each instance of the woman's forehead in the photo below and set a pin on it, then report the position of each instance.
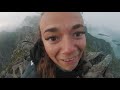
(60, 18)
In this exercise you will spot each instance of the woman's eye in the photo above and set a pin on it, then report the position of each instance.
(52, 38)
(78, 34)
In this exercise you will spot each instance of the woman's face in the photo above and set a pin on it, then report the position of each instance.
(64, 38)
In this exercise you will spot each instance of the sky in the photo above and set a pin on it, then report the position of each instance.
(13, 18)
(100, 19)
(108, 23)
(107, 19)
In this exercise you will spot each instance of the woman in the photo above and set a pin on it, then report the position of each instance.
(60, 51)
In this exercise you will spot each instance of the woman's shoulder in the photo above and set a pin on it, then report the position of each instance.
(30, 71)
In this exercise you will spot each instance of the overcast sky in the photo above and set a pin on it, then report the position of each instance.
(13, 18)
(108, 19)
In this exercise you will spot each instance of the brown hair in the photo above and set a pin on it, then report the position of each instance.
(46, 68)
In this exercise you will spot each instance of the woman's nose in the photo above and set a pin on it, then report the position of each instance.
(68, 47)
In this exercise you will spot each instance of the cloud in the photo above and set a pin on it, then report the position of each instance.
(99, 19)
(13, 18)
(103, 19)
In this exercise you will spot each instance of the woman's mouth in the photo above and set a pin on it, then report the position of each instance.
(70, 59)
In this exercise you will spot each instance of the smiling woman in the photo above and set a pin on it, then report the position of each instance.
(60, 50)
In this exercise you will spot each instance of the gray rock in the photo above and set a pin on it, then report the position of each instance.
(98, 70)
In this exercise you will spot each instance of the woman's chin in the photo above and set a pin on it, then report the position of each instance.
(69, 68)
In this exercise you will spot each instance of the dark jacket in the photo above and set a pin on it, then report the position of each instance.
(94, 65)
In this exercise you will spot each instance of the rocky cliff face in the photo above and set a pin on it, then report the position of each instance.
(26, 37)
(96, 45)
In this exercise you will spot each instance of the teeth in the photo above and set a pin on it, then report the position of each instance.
(71, 59)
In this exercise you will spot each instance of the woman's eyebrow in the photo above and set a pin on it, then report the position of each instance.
(77, 26)
(54, 29)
